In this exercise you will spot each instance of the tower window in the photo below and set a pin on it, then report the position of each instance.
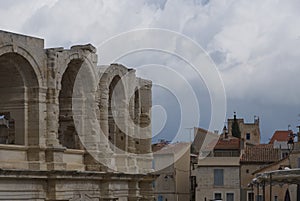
(248, 136)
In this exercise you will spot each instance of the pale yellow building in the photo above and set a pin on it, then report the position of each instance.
(172, 163)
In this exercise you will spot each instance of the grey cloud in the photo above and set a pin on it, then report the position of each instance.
(255, 44)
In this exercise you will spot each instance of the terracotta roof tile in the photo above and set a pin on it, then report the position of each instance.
(280, 135)
(221, 144)
(233, 143)
(261, 153)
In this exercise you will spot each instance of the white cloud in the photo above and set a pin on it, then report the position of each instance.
(255, 43)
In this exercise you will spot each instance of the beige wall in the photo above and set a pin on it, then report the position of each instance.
(206, 188)
(247, 171)
(182, 167)
(174, 180)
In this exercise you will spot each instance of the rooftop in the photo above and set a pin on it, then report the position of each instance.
(280, 136)
(222, 144)
(264, 153)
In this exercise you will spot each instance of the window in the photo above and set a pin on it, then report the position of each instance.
(275, 198)
(218, 196)
(259, 198)
(247, 136)
(218, 177)
(250, 196)
(229, 196)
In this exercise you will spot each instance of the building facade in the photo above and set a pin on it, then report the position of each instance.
(218, 178)
(172, 163)
(253, 159)
(222, 171)
(69, 129)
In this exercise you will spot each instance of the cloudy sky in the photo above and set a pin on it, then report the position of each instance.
(254, 44)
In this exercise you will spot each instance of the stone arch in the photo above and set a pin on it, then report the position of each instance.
(78, 71)
(20, 83)
(109, 78)
(9, 48)
(116, 107)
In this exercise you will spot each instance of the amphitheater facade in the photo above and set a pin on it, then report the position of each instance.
(69, 129)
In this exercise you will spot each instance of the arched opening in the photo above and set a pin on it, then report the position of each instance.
(116, 107)
(67, 133)
(137, 106)
(19, 113)
(136, 119)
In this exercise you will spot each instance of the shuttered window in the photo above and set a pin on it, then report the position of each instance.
(218, 177)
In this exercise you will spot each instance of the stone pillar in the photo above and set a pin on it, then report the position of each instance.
(103, 107)
(52, 100)
(145, 118)
(106, 191)
(105, 154)
(131, 130)
(132, 116)
(133, 191)
(146, 190)
(35, 127)
(54, 151)
(54, 158)
(145, 162)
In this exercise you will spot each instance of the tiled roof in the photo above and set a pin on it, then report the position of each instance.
(261, 153)
(280, 136)
(233, 143)
(230, 143)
